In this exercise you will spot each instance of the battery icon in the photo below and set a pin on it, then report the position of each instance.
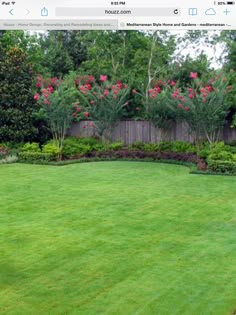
(230, 3)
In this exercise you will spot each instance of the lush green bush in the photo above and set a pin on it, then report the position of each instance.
(89, 141)
(232, 149)
(99, 147)
(217, 151)
(222, 166)
(181, 146)
(116, 146)
(164, 146)
(151, 147)
(31, 147)
(72, 146)
(221, 155)
(137, 145)
(36, 156)
(51, 147)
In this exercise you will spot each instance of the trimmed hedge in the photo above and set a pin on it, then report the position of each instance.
(225, 167)
(36, 156)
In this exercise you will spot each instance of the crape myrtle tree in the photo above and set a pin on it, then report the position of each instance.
(57, 102)
(203, 105)
(105, 103)
(16, 96)
(158, 105)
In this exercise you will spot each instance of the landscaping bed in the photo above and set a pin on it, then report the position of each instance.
(217, 158)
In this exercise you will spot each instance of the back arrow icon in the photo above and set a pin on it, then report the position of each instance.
(11, 11)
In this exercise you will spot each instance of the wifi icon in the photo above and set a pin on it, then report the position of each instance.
(13, 3)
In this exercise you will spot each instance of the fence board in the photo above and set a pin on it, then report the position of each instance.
(142, 130)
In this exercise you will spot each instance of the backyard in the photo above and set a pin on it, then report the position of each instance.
(116, 238)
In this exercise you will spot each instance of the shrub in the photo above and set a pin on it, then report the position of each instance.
(72, 147)
(9, 159)
(232, 149)
(89, 141)
(51, 148)
(165, 146)
(4, 150)
(31, 147)
(99, 147)
(36, 156)
(203, 150)
(221, 155)
(151, 147)
(222, 166)
(181, 146)
(137, 145)
(116, 146)
(11, 145)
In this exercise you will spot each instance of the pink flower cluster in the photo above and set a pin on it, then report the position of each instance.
(154, 92)
(84, 80)
(104, 90)
(47, 82)
(46, 88)
(85, 88)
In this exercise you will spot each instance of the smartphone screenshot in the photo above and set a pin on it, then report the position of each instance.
(117, 157)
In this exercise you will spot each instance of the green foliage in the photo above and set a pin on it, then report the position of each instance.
(58, 106)
(11, 145)
(30, 147)
(151, 147)
(181, 146)
(165, 146)
(72, 146)
(36, 156)
(216, 151)
(220, 166)
(179, 71)
(12, 158)
(137, 145)
(203, 150)
(16, 96)
(221, 155)
(204, 107)
(159, 108)
(51, 147)
(88, 141)
(116, 145)
(26, 41)
(121, 53)
(106, 104)
(99, 147)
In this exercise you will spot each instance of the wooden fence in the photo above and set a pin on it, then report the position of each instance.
(130, 131)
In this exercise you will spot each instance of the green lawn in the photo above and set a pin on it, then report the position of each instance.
(116, 238)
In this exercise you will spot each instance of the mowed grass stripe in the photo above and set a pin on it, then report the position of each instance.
(116, 238)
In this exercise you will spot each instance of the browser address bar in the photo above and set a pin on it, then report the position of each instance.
(69, 11)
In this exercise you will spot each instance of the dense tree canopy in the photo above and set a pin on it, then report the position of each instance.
(142, 59)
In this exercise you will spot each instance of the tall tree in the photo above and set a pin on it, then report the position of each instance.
(16, 96)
